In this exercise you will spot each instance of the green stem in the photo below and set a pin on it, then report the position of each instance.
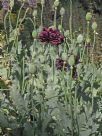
(70, 19)
(18, 17)
(42, 15)
(5, 28)
(71, 105)
(61, 21)
(55, 16)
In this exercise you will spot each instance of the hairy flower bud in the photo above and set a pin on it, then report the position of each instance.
(71, 60)
(80, 38)
(66, 33)
(32, 68)
(62, 11)
(34, 34)
(88, 16)
(94, 26)
(64, 56)
(34, 13)
(42, 2)
(56, 3)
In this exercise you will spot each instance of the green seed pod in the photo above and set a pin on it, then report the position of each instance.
(64, 56)
(59, 27)
(34, 34)
(71, 60)
(42, 2)
(34, 13)
(88, 40)
(62, 11)
(56, 3)
(32, 69)
(80, 38)
(88, 16)
(66, 33)
(94, 26)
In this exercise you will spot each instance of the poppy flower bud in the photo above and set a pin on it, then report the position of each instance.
(35, 13)
(80, 38)
(71, 60)
(56, 3)
(62, 11)
(11, 3)
(32, 68)
(88, 40)
(88, 16)
(64, 56)
(42, 2)
(94, 26)
(66, 33)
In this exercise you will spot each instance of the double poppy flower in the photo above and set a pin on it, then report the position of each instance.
(50, 35)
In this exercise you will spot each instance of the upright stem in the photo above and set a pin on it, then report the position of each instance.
(55, 16)
(6, 28)
(70, 19)
(93, 69)
(71, 105)
(42, 15)
(18, 17)
(61, 21)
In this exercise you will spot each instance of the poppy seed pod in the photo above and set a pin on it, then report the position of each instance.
(62, 11)
(64, 56)
(35, 13)
(32, 68)
(71, 60)
(88, 16)
(56, 3)
(66, 33)
(94, 26)
(42, 2)
(80, 38)
(34, 34)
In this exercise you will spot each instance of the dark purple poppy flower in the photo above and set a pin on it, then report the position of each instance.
(50, 35)
(32, 3)
(44, 35)
(61, 64)
(5, 5)
(77, 58)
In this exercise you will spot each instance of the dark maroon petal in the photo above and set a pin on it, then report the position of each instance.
(5, 4)
(60, 64)
(32, 3)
